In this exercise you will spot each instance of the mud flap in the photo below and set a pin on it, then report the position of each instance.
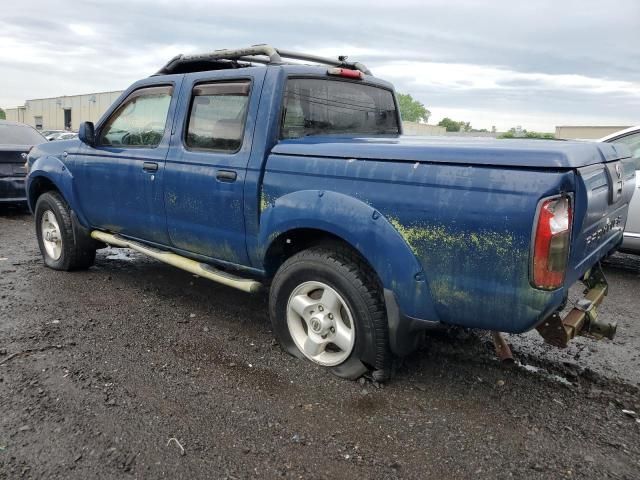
(405, 333)
(82, 235)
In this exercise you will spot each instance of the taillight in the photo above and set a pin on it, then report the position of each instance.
(346, 73)
(551, 243)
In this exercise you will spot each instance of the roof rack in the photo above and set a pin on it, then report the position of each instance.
(265, 54)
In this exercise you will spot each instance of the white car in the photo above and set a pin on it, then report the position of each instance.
(631, 138)
(60, 135)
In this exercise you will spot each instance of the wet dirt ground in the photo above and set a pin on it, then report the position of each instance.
(115, 362)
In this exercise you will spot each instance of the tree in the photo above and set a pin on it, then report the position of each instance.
(450, 125)
(412, 110)
(519, 132)
(3, 115)
(453, 126)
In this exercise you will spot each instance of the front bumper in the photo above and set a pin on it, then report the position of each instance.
(583, 317)
(12, 190)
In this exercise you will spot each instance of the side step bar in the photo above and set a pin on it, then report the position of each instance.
(198, 268)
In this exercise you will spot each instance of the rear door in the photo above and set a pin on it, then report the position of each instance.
(207, 163)
(119, 181)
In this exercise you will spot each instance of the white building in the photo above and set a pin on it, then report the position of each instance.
(63, 113)
(67, 113)
(586, 131)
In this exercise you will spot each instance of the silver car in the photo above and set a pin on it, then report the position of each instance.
(631, 138)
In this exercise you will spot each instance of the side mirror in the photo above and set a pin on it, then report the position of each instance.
(87, 134)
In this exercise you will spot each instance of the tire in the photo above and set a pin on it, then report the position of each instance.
(62, 246)
(338, 277)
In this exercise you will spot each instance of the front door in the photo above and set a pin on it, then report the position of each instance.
(206, 167)
(120, 179)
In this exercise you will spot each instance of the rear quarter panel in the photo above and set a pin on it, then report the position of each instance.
(468, 228)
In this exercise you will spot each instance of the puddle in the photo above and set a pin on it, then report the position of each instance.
(120, 254)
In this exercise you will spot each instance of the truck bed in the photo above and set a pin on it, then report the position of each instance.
(468, 151)
(466, 210)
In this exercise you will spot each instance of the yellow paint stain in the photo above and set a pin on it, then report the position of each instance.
(265, 201)
(421, 239)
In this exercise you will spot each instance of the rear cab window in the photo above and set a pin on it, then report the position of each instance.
(318, 106)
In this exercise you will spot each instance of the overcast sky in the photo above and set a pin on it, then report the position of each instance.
(536, 64)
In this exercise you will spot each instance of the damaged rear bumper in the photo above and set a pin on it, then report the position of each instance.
(582, 319)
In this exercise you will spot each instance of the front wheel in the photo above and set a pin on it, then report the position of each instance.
(326, 306)
(61, 247)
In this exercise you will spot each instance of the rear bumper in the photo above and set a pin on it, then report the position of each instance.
(12, 190)
(630, 243)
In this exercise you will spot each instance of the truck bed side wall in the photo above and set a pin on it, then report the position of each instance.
(469, 228)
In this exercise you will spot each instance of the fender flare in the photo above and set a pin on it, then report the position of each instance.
(365, 229)
(51, 168)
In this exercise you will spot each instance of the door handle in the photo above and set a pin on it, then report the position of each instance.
(150, 166)
(226, 175)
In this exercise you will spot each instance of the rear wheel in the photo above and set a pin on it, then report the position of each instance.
(62, 248)
(326, 306)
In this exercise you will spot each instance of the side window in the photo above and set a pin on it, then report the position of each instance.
(140, 120)
(217, 116)
(633, 142)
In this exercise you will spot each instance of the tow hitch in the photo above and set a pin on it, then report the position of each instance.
(583, 317)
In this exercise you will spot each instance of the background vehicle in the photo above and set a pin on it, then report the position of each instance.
(60, 135)
(46, 133)
(631, 138)
(16, 139)
(298, 177)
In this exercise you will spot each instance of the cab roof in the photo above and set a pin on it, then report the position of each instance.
(247, 57)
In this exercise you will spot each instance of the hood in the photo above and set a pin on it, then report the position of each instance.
(472, 151)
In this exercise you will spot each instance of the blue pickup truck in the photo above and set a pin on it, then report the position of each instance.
(251, 170)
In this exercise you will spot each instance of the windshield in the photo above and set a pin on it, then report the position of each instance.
(19, 135)
(329, 107)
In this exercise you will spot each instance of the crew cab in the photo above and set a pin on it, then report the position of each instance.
(256, 172)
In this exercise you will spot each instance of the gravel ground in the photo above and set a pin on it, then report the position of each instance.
(116, 362)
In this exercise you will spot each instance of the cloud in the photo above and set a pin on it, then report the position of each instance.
(458, 76)
(538, 63)
(82, 30)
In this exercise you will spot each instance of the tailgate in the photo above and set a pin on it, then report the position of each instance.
(602, 196)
